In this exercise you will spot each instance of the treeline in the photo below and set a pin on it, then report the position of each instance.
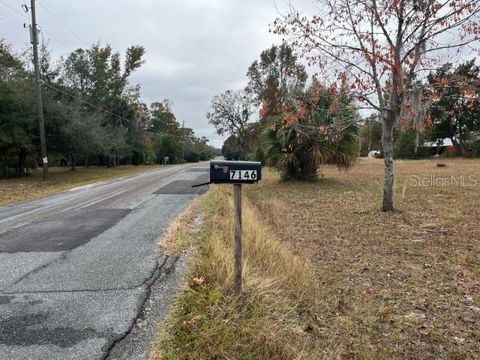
(445, 106)
(93, 115)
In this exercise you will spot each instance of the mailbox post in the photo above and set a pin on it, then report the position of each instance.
(237, 214)
(236, 173)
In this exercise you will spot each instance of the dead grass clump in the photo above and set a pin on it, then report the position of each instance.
(181, 233)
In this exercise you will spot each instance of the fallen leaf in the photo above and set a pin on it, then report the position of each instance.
(199, 280)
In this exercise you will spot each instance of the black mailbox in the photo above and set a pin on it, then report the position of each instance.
(235, 172)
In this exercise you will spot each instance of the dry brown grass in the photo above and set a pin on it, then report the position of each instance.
(180, 234)
(329, 276)
(209, 321)
(60, 179)
(403, 285)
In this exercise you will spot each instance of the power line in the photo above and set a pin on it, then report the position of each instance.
(15, 11)
(26, 18)
(54, 87)
(55, 39)
(73, 96)
(63, 24)
(86, 102)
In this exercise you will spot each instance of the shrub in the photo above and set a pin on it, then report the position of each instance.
(192, 157)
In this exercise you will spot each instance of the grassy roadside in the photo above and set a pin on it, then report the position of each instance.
(329, 276)
(392, 286)
(60, 179)
(208, 321)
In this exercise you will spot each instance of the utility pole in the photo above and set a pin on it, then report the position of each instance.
(41, 122)
(183, 140)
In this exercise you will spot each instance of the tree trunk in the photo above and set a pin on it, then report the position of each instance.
(389, 121)
(5, 163)
(417, 139)
(369, 135)
(73, 163)
(310, 169)
(461, 144)
(22, 157)
(387, 138)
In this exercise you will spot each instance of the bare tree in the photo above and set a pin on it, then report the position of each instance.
(380, 47)
(231, 111)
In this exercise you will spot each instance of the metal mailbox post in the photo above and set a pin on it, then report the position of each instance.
(236, 173)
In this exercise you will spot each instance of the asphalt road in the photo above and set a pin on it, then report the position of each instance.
(75, 267)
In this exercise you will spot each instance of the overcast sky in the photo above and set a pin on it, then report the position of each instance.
(194, 48)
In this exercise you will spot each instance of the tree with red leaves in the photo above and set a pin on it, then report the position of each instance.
(367, 43)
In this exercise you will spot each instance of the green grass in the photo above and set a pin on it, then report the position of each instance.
(60, 179)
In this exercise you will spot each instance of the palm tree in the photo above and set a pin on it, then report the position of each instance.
(317, 127)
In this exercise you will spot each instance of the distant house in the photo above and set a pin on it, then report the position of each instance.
(375, 154)
(438, 146)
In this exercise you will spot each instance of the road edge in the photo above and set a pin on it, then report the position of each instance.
(161, 288)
